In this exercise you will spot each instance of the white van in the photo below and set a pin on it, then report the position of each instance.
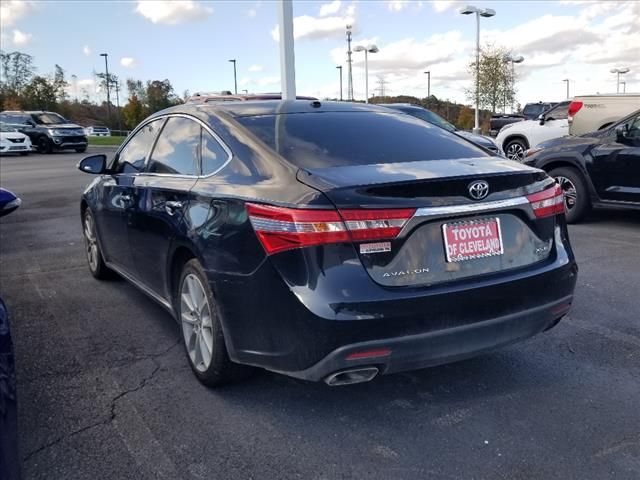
(588, 113)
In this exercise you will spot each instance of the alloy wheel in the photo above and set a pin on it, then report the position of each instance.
(197, 327)
(515, 151)
(570, 192)
(90, 241)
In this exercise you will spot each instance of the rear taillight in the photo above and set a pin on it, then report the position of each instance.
(574, 107)
(281, 228)
(547, 202)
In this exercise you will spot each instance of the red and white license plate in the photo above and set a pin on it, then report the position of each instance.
(472, 239)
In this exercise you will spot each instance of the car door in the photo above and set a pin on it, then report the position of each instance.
(556, 124)
(615, 168)
(162, 195)
(117, 196)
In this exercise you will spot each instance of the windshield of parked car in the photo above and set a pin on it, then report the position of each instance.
(332, 139)
(6, 128)
(429, 116)
(48, 119)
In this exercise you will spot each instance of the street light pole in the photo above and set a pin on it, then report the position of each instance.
(118, 106)
(513, 60)
(235, 81)
(106, 82)
(339, 67)
(487, 12)
(368, 49)
(619, 71)
(428, 84)
(624, 86)
(567, 81)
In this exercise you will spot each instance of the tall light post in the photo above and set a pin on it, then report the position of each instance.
(619, 71)
(567, 81)
(107, 82)
(487, 12)
(624, 86)
(428, 84)
(117, 87)
(513, 60)
(349, 66)
(235, 79)
(246, 91)
(339, 67)
(367, 50)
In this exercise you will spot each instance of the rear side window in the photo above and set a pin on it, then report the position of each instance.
(559, 112)
(132, 157)
(177, 150)
(213, 155)
(331, 139)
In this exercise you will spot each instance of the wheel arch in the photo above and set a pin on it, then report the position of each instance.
(515, 136)
(181, 253)
(570, 163)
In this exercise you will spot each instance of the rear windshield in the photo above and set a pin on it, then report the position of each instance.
(535, 109)
(332, 139)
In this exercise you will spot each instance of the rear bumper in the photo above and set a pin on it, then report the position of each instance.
(443, 346)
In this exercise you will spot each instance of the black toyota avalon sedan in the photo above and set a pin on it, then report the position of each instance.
(327, 241)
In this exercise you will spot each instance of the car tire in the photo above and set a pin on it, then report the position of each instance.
(81, 149)
(97, 266)
(576, 196)
(203, 338)
(44, 145)
(514, 149)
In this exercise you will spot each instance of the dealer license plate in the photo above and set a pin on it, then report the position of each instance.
(472, 239)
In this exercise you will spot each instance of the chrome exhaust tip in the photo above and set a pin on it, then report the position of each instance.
(351, 376)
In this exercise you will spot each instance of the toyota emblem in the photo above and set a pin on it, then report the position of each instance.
(478, 189)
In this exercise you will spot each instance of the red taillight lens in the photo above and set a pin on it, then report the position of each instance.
(285, 228)
(574, 107)
(547, 202)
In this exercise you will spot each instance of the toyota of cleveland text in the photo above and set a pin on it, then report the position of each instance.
(327, 241)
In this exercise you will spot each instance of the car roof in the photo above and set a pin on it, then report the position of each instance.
(29, 112)
(275, 107)
(213, 97)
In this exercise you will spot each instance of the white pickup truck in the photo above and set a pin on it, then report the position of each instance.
(588, 113)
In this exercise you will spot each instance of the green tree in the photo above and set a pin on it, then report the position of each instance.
(160, 95)
(134, 112)
(16, 71)
(496, 86)
(39, 94)
(59, 83)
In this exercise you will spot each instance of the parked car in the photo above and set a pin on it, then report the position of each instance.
(437, 120)
(516, 138)
(48, 131)
(531, 111)
(600, 169)
(327, 240)
(97, 131)
(588, 113)
(12, 141)
(9, 458)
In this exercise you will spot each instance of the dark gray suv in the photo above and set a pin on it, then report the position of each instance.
(48, 131)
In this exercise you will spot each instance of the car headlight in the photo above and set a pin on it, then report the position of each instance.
(532, 151)
(54, 132)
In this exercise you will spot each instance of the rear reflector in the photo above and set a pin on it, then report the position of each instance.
(547, 202)
(281, 228)
(382, 352)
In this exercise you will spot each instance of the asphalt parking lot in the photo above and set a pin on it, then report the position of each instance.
(106, 392)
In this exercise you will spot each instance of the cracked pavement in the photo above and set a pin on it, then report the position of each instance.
(105, 391)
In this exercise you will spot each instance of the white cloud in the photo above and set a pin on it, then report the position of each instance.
(268, 81)
(315, 28)
(86, 50)
(256, 68)
(330, 8)
(173, 12)
(252, 12)
(13, 10)
(444, 5)
(397, 5)
(21, 38)
(128, 62)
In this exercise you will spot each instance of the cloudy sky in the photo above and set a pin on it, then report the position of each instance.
(190, 43)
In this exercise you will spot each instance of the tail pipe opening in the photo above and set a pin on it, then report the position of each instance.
(351, 376)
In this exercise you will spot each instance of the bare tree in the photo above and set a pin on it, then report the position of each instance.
(497, 87)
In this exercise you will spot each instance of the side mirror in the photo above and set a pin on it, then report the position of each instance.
(94, 164)
(621, 132)
(8, 202)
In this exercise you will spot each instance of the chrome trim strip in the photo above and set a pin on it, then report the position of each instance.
(141, 286)
(470, 208)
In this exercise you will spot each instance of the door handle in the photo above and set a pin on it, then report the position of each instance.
(172, 206)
